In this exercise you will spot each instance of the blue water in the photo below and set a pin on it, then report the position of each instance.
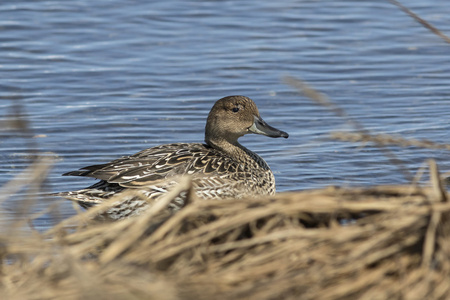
(96, 80)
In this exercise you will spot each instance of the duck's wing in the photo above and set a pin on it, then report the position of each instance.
(159, 163)
(202, 163)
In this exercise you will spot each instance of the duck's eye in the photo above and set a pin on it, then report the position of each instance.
(235, 109)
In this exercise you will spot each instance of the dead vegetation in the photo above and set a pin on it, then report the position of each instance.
(385, 242)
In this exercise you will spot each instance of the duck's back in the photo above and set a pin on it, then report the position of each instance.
(214, 173)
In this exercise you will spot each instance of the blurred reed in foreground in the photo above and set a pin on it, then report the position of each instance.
(385, 242)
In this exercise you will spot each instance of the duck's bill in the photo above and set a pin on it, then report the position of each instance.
(261, 127)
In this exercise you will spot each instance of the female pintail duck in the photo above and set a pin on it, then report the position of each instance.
(220, 168)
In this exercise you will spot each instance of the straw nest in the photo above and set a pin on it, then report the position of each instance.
(385, 242)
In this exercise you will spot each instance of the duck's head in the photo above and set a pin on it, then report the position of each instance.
(234, 116)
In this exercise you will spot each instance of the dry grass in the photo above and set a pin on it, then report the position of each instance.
(386, 242)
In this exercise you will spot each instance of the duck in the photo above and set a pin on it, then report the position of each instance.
(219, 168)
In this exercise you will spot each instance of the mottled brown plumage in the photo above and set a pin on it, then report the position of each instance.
(221, 168)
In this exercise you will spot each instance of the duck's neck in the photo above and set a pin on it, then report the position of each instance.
(237, 151)
(234, 149)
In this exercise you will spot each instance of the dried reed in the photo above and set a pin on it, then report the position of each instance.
(386, 242)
